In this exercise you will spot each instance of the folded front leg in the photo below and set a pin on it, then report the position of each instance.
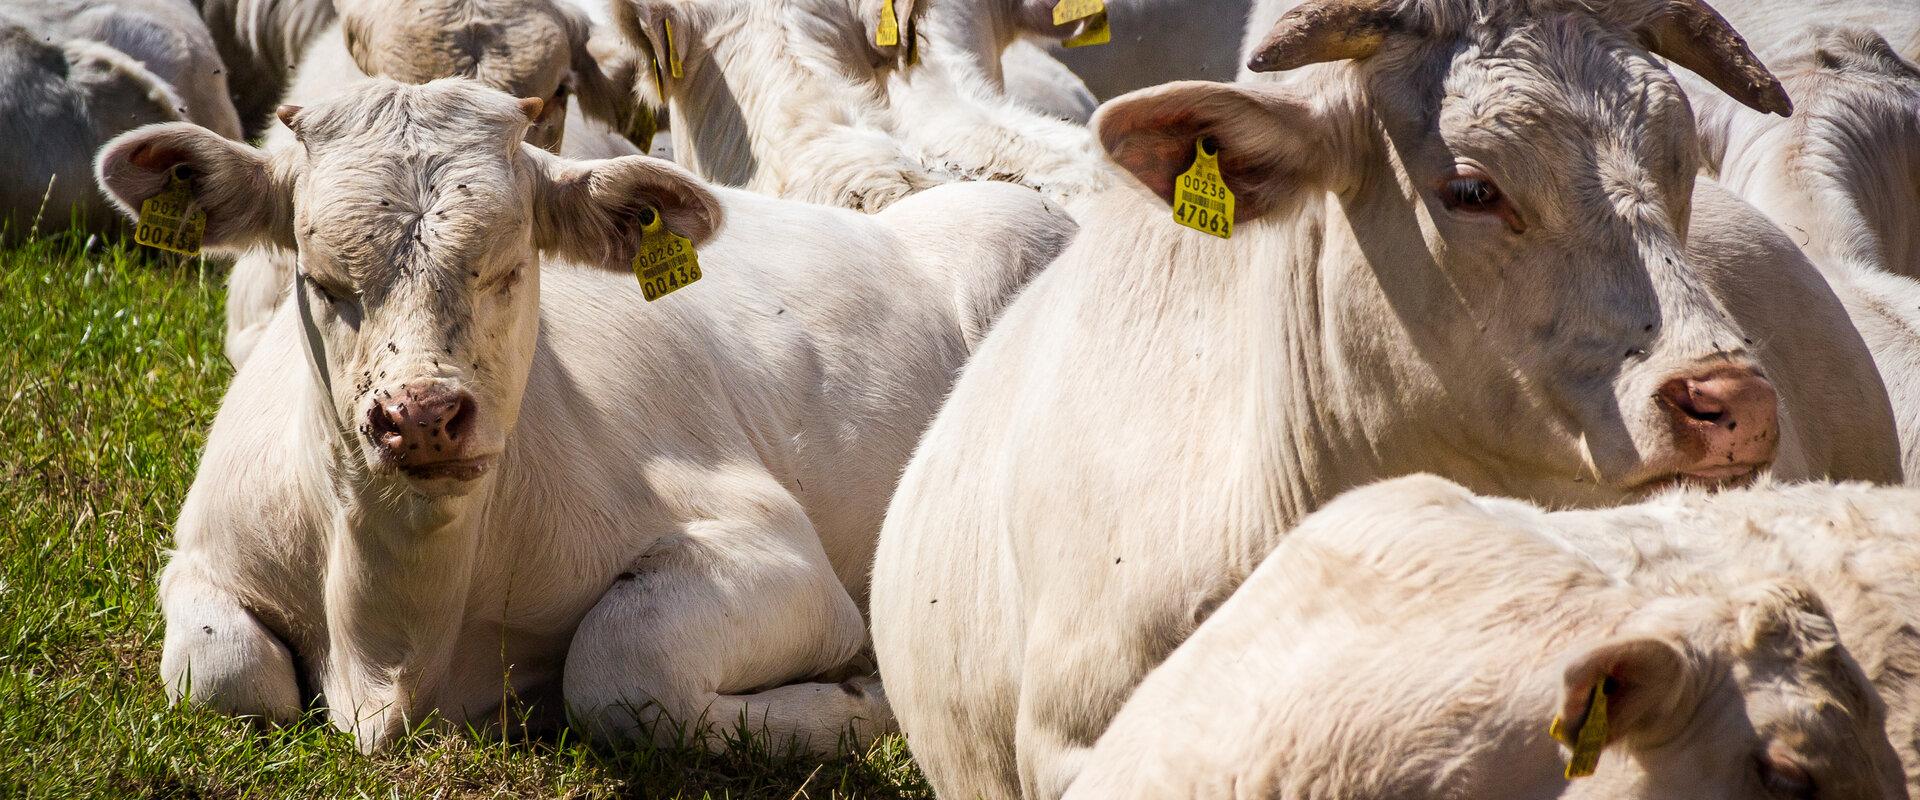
(710, 630)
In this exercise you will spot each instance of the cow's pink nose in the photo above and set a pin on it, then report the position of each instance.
(1725, 420)
(423, 423)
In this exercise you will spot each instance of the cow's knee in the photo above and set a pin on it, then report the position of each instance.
(219, 656)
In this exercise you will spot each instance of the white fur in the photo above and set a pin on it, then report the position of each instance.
(684, 495)
(1175, 402)
(1412, 640)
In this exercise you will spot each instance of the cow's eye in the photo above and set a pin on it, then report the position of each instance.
(321, 289)
(1468, 190)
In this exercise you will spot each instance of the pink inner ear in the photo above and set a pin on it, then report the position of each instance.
(154, 157)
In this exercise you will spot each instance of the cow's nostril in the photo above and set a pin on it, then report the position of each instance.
(1687, 396)
(382, 428)
(459, 421)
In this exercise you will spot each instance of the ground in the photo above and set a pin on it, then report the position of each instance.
(110, 373)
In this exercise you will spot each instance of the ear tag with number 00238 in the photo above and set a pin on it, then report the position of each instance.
(1096, 31)
(1067, 11)
(888, 32)
(172, 220)
(666, 261)
(1201, 199)
(1590, 739)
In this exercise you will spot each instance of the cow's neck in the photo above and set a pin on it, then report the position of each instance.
(399, 566)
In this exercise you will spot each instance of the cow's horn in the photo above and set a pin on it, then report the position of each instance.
(1690, 33)
(1323, 30)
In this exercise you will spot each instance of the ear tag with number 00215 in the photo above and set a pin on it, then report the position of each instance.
(1096, 31)
(1201, 199)
(1590, 739)
(1067, 11)
(888, 32)
(666, 261)
(172, 220)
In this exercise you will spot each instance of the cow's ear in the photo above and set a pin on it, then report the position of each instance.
(1649, 688)
(247, 200)
(1271, 142)
(663, 32)
(590, 212)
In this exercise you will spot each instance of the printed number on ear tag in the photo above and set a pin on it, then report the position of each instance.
(1590, 739)
(1097, 31)
(666, 261)
(1201, 198)
(172, 220)
(1067, 11)
(888, 33)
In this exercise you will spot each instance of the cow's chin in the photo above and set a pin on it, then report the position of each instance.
(1729, 476)
(441, 479)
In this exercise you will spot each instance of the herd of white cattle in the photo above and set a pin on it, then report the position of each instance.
(953, 430)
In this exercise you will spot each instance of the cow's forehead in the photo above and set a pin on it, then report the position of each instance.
(381, 116)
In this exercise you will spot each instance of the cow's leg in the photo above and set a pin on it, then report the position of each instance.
(260, 279)
(720, 626)
(218, 655)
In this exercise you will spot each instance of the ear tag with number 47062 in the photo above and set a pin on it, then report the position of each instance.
(666, 261)
(1590, 739)
(172, 220)
(1201, 199)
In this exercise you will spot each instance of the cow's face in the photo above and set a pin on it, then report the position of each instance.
(526, 48)
(419, 217)
(1517, 193)
(1750, 696)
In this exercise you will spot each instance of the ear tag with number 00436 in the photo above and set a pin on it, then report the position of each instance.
(1201, 199)
(1067, 11)
(172, 220)
(1096, 31)
(888, 32)
(1590, 739)
(666, 261)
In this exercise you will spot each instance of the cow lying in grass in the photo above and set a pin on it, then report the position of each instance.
(1412, 640)
(469, 463)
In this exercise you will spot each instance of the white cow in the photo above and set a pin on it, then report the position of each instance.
(1411, 640)
(470, 465)
(1785, 29)
(72, 75)
(261, 41)
(528, 48)
(1842, 177)
(1464, 251)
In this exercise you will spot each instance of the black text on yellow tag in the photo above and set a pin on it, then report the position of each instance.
(1201, 199)
(172, 220)
(666, 262)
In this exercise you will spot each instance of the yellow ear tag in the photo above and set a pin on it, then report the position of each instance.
(1067, 11)
(1589, 740)
(1095, 32)
(666, 261)
(673, 50)
(172, 220)
(888, 34)
(1202, 200)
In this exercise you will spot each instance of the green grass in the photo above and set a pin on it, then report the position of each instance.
(112, 371)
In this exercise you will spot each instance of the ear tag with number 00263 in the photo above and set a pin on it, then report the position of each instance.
(1096, 31)
(172, 220)
(888, 32)
(666, 261)
(1590, 739)
(1067, 11)
(1201, 199)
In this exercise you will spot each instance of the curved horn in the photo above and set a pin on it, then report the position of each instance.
(1693, 35)
(1323, 30)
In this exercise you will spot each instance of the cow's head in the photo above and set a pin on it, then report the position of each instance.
(1513, 179)
(1745, 696)
(526, 48)
(420, 218)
